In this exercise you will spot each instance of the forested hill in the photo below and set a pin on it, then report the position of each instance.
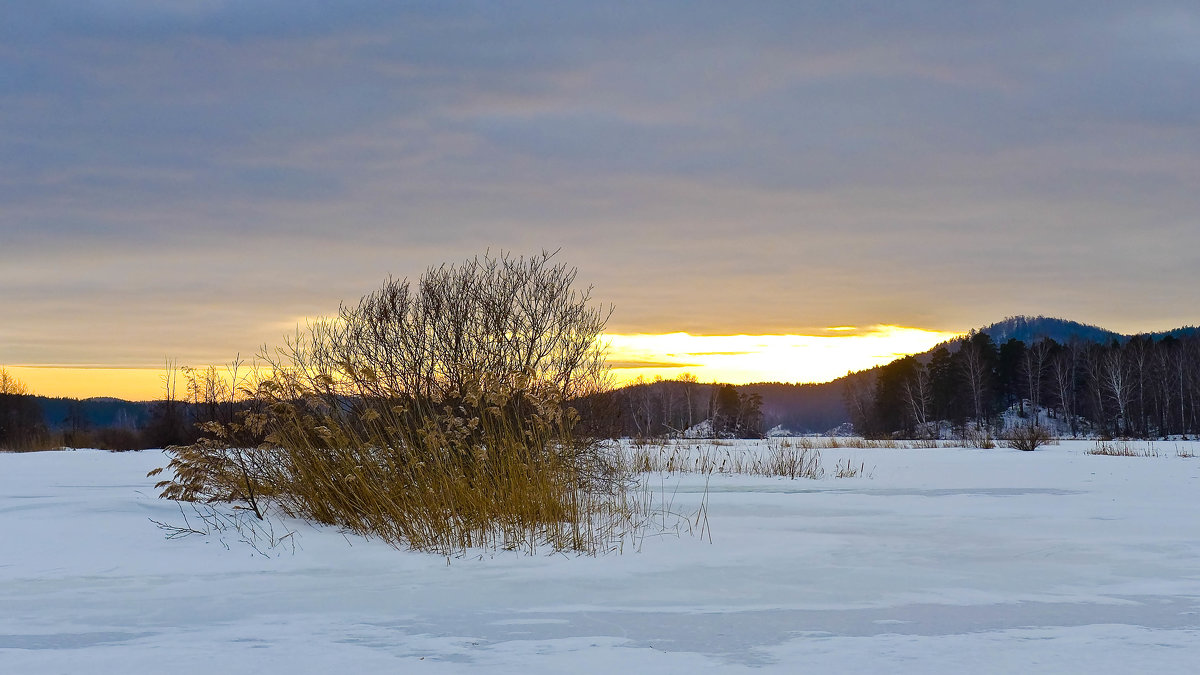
(1070, 376)
(667, 407)
(818, 408)
(60, 413)
(1030, 329)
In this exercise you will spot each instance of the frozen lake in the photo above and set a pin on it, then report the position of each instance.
(942, 560)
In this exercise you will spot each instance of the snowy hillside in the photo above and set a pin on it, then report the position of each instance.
(943, 560)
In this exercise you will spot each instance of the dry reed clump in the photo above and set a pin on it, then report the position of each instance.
(855, 442)
(1123, 449)
(978, 436)
(434, 419)
(792, 461)
(789, 458)
(847, 469)
(448, 480)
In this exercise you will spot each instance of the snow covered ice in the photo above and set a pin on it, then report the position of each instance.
(943, 560)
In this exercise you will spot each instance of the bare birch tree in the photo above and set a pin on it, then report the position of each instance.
(1033, 369)
(918, 396)
(976, 372)
(1117, 385)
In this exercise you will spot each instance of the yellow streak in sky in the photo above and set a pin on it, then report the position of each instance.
(133, 384)
(739, 359)
(736, 359)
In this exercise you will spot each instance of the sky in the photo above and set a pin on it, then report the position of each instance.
(191, 180)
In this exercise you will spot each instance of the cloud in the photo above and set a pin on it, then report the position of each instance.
(201, 170)
(624, 364)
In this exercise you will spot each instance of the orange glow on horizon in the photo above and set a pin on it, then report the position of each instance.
(131, 384)
(736, 359)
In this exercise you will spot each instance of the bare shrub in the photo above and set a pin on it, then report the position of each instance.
(258, 533)
(1028, 437)
(978, 436)
(433, 417)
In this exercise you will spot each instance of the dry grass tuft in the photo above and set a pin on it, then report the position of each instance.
(978, 436)
(791, 461)
(847, 469)
(788, 458)
(1123, 449)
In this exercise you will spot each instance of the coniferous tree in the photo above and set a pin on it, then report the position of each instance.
(1008, 368)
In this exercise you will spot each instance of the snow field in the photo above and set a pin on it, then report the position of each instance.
(942, 560)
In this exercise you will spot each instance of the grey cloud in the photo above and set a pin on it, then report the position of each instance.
(768, 167)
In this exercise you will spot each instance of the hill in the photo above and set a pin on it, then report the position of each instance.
(1052, 372)
(819, 408)
(93, 413)
(1030, 329)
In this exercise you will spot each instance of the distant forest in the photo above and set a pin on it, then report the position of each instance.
(30, 422)
(657, 409)
(1094, 384)
(687, 407)
(1075, 378)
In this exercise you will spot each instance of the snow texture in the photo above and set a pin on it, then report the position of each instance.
(944, 560)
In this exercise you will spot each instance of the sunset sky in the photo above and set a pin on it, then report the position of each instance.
(836, 182)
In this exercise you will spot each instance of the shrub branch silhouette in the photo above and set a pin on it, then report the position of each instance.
(434, 417)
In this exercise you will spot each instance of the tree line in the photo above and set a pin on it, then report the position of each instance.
(682, 406)
(642, 409)
(190, 398)
(1141, 387)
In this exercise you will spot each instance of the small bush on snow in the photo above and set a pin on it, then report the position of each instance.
(1028, 438)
